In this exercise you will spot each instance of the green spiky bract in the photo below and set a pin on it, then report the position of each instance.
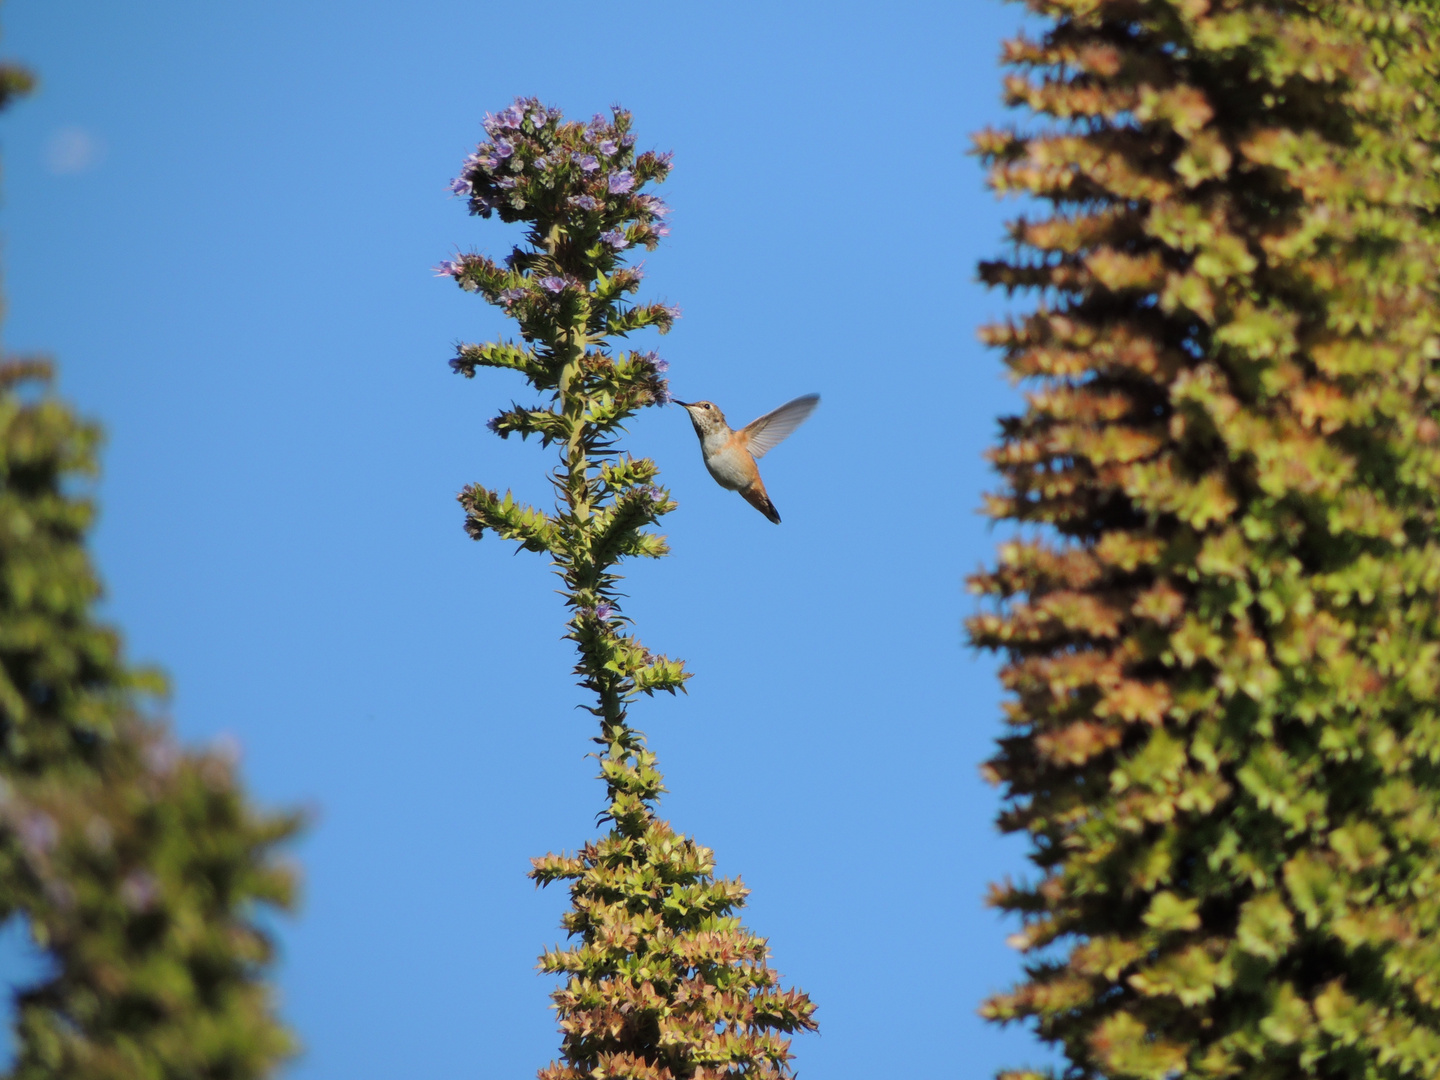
(662, 981)
(1221, 615)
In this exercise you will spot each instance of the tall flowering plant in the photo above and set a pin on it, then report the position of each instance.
(662, 979)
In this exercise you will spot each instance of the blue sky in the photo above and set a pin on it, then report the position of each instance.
(221, 220)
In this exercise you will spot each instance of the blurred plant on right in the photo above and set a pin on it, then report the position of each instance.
(1221, 611)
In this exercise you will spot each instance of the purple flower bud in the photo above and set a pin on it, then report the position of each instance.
(39, 833)
(627, 139)
(553, 283)
(542, 163)
(539, 116)
(585, 202)
(510, 296)
(603, 611)
(449, 268)
(139, 890)
(621, 182)
(503, 149)
(460, 186)
(616, 239)
(607, 147)
(161, 757)
(659, 228)
(493, 424)
(655, 494)
(510, 118)
(589, 163)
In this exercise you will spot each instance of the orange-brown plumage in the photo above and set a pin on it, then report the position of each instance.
(730, 455)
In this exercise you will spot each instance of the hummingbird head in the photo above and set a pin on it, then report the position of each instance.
(705, 416)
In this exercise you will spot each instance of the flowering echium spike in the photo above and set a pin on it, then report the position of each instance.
(1224, 659)
(663, 982)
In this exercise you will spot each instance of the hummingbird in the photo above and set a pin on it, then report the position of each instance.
(731, 455)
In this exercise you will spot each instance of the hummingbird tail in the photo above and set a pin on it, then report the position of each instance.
(755, 495)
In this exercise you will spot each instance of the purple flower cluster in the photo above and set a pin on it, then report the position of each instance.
(589, 163)
(653, 359)
(140, 890)
(161, 756)
(621, 182)
(506, 120)
(604, 610)
(615, 238)
(585, 202)
(461, 186)
(450, 268)
(511, 296)
(553, 283)
(38, 833)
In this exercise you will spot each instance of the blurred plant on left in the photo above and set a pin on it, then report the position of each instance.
(139, 866)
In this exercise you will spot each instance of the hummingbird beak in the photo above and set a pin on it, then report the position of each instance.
(682, 404)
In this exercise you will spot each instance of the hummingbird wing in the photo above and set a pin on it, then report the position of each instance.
(763, 435)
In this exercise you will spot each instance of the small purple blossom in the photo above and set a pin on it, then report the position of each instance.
(653, 359)
(510, 296)
(589, 163)
(161, 757)
(493, 424)
(503, 149)
(616, 239)
(542, 163)
(607, 147)
(666, 159)
(140, 890)
(553, 283)
(603, 611)
(662, 396)
(39, 833)
(627, 139)
(506, 120)
(461, 186)
(450, 268)
(655, 494)
(505, 182)
(585, 202)
(621, 182)
(653, 204)
(457, 365)
(539, 116)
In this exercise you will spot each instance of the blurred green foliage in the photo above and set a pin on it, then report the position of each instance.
(1223, 638)
(138, 866)
(662, 980)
